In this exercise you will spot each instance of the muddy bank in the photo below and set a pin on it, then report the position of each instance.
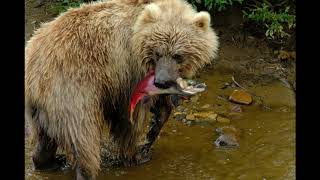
(35, 16)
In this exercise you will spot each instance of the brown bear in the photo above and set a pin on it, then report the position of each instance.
(82, 67)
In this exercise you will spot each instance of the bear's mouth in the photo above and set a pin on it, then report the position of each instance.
(146, 87)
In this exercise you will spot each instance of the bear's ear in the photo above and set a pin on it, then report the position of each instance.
(150, 14)
(202, 20)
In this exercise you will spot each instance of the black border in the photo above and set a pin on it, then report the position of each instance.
(12, 137)
(12, 87)
(307, 76)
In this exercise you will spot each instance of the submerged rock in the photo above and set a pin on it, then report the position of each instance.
(223, 120)
(220, 109)
(234, 116)
(206, 106)
(228, 137)
(180, 108)
(179, 116)
(236, 108)
(226, 140)
(241, 97)
(190, 122)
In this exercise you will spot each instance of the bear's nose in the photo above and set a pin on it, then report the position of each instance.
(164, 84)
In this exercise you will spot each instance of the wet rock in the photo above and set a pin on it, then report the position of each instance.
(180, 109)
(179, 116)
(234, 116)
(190, 122)
(206, 106)
(236, 108)
(226, 140)
(220, 109)
(190, 117)
(228, 137)
(241, 97)
(223, 120)
(177, 113)
(225, 85)
(235, 112)
(209, 115)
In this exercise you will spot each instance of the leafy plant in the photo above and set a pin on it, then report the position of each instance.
(222, 4)
(64, 5)
(215, 4)
(276, 17)
(276, 23)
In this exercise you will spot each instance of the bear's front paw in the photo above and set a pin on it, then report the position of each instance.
(143, 154)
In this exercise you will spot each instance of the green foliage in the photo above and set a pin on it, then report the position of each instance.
(63, 5)
(276, 23)
(276, 17)
(221, 4)
(215, 4)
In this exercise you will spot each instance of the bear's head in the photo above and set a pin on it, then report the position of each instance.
(174, 40)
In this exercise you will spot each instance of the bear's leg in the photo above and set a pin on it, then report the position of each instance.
(81, 174)
(123, 136)
(85, 137)
(86, 155)
(161, 112)
(86, 150)
(44, 157)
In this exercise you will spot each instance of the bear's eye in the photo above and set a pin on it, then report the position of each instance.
(178, 58)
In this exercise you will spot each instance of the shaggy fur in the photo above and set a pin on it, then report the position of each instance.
(81, 68)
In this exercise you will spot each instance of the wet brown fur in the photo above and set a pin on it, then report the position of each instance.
(81, 68)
